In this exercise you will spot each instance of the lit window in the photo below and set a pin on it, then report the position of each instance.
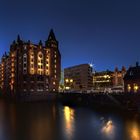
(67, 80)
(32, 71)
(136, 87)
(12, 64)
(128, 87)
(12, 55)
(54, 83)
(40, 63)
(71, 80)
(54, 71)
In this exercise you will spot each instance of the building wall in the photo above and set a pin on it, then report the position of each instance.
(30, 68)
(112, 80)
(132, 79)
(78, 78)
(118, 77)
(132, 86)
(102, 80)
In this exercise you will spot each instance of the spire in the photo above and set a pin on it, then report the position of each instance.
(40, 43)
(51, 35)
(18, 38)
(29, 42)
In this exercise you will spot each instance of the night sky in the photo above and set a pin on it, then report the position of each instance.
(104, 32)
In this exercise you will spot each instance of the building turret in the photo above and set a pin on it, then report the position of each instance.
(51, 41)
(40, 43)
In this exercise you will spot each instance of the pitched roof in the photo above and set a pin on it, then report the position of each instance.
(133, 73)
(51, 35)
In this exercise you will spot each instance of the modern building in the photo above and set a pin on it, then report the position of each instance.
(31, 68)
(78, 78)
(109, 81)
(102, 81)
(132, 79)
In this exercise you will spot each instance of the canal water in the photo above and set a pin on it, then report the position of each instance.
(48, 121)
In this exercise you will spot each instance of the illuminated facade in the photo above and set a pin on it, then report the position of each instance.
(132, 79)
(118, 76)
(102, 80)
(78, 78)
(118, 81)
(30, 68)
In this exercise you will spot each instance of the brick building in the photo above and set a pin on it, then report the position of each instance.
(132, 79)
(118, 76)
(29, 68)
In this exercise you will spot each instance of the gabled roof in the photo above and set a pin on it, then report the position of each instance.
(133, 73)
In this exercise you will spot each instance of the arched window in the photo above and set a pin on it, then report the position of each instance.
(25, 63)
(47, 63)
(40, 67)
(31, 62)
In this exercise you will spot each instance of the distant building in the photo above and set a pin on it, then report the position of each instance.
(78, 78)
(102, 80)
(118, 75)
(132, 79)
(109, 80)
(30, 68)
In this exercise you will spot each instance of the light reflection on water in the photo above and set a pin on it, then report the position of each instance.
(108, 129)
(43, 121)
(133, 129)
(69, 122)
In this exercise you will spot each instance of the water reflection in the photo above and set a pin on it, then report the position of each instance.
(69, 121)
(133, 129)
(43, 121)
(108, 129)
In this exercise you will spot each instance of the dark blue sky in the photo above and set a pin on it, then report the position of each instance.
(105, 32)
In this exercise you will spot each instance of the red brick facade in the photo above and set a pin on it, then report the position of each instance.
(132, 79)
(30, 68)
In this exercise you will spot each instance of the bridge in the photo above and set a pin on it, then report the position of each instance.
(121, 101)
